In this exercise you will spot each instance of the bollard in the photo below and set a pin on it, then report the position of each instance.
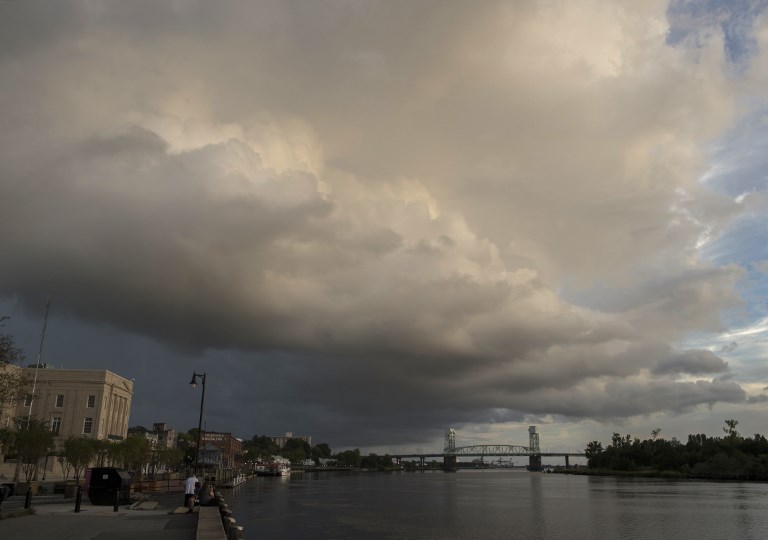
(228, 525)
(28, 499)
(232, 532)
(236, 533)
(117, 500)
(78, 498)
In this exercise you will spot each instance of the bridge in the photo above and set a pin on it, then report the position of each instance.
(451, 452)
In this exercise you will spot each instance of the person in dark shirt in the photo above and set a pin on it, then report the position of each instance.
(5, 492)
(206, 495)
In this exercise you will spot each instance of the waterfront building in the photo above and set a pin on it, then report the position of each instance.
(81, 402)
(280, 440)
(166, 437)
(220, 449)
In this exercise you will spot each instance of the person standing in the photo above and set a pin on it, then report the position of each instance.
(189, 492)
(5, 492)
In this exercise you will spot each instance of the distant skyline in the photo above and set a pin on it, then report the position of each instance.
(371, 221)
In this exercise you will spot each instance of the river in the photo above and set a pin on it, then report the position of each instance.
(495, 503)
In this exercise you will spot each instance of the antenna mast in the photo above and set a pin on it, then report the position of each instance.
(39, 357)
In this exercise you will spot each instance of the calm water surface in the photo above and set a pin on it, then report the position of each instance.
(495, 504)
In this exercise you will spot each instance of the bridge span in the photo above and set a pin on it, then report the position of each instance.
(451, 452)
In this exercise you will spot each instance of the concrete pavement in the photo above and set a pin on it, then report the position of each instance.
(159, 518)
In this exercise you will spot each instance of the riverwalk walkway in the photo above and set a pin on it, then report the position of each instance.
(160, 517)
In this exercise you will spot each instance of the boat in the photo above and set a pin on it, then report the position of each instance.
(233, 482)
(279, 467)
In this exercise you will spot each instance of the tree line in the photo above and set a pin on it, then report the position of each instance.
(33, 441)
(731, 456)
(262, 448)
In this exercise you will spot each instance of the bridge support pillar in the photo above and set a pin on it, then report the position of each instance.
(450, 464)
(566, 462)
(534, 463)
(422, 464)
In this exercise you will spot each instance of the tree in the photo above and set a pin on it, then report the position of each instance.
(296, 450)
(593, 449)
(135, 452)
(169, 457)
(104, 451)
(11, 382)
(730, 428)
(78, 453)
(34, 440)
(9, 352)
(66, 468)
(260, 448)
(7, 437)
(321, 450)
(349, 458)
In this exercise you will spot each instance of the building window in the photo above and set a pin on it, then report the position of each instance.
(56, 424)
(91, 402)
(28, 401)
(60, 400)
(87, 426)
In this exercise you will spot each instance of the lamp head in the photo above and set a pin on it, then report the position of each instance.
(193, 382)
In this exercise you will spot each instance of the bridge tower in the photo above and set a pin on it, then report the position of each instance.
(534, 461)
(450, 463)
(450, 441)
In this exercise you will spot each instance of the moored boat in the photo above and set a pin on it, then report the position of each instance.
(279, 467)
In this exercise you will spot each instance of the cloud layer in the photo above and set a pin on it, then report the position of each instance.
(491, 212)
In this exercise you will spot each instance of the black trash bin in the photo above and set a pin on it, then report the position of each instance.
(105, 481)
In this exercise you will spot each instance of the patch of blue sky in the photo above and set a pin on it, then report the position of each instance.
(739, 170)
(692, 23)
(739, 160)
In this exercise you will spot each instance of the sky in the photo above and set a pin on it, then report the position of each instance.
(371, 221)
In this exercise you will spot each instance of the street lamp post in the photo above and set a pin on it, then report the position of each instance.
(193, 382)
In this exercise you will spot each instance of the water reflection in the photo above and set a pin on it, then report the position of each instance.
(496, 504)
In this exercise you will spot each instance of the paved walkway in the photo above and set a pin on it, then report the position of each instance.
(158, 518)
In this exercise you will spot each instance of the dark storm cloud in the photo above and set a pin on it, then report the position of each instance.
(389, 212)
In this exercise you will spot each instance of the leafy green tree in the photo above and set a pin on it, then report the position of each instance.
(730, 428)
(66, 468)
(349, 458)
(260, 448)
(33, 441)
(103, 452)
(376, 462)
(11, 382)
(169, 457)
(78, 453)
(321, 450)
(134, 453)
(296, 450)
(9, 352)
(7, 437)
(592, 451)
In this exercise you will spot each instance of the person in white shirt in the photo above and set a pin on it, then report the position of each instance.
(190, 488)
